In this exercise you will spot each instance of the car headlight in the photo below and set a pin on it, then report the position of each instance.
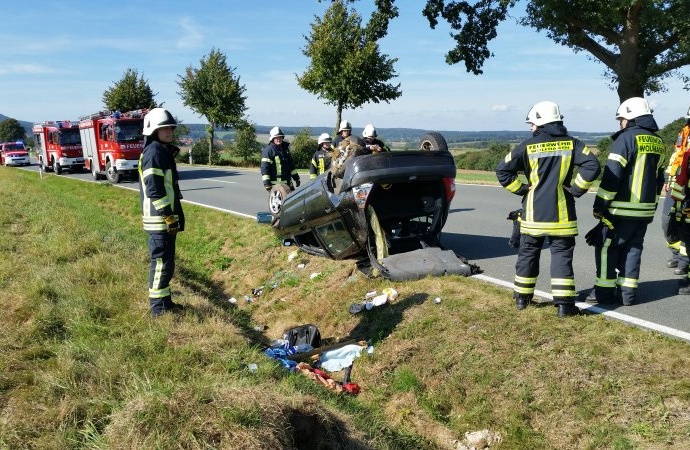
(361, 193)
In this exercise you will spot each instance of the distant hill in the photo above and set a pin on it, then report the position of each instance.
(197, 131)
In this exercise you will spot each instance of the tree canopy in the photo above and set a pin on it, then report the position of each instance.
(130, 93)
(641, 42)
(214, 92)
(11, 130)
(347, 68)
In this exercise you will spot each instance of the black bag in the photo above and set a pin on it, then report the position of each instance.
(303, 334)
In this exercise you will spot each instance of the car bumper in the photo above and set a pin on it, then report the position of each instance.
(127, 164)
(64, 162)
(17, 161)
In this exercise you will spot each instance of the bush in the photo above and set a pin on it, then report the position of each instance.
(302, 149)
(200, 153)
(483, 160)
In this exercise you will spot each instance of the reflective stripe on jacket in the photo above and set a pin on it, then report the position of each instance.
(320, 163)
(276, 164)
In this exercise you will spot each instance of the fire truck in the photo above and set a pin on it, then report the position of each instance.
(112, 142)
(14, 154)
(58, 146)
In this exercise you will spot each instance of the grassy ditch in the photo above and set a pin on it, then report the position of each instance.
(82, 365)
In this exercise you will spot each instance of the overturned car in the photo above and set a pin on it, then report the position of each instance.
(385, 209)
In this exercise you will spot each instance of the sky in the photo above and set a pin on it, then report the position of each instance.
(58, 60)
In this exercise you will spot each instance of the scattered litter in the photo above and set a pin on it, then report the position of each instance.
(248, 299)
(264, 217)
(232, 300)
(370, 349)
(293, 255)
(260, 328)
(340, 358)
(370, 294)
(374, 300)
(392, 293)
(437, 300)
(478, 440)
(258, 291)
(314, 275)
(253, 368)
(301, 266)
(356, 308)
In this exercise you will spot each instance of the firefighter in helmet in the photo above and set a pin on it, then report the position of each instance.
(548, 159)
(276, 162)
(679, 260)
(626, 201)
(344, 131)
(372, 143)
(162, 214)
(321, 161)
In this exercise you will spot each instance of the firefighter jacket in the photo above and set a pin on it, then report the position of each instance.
(374, 146)
(320, 163)
(277, 166)
(634, 172)
(548, 159)
(159, 189)
(679, 149)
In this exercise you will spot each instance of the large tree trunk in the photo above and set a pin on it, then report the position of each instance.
(629, 67)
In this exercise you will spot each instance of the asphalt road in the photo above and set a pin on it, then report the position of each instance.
(478, 230)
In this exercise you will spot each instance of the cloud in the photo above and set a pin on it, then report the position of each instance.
(191, 34)
(501, 108)
(15, 69)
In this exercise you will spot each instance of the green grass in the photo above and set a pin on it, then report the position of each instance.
(83, 365)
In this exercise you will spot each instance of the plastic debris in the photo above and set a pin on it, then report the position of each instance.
(258, 291)
(293, 255)
(314, 275)
(253, 368)
(232, 300)
(371, 294)
(301, 266)
(391, 293)
(437, 300)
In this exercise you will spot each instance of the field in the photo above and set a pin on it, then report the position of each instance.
(83, 365)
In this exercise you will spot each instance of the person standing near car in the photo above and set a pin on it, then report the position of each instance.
(679, 260)
(344, 131)
(321, 161)
(276, 162)
(161, 206)
(548, 159)
(626, 201)
(372, 143)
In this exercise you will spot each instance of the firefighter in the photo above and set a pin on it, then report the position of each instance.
(679, 258)
(321, 161)
(548, 159)
(626, 201)
(344, 130)
(162, 213)
(276, 162)
(373, 144)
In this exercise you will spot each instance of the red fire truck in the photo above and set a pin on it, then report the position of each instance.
(58, 146)
(112, 143)
(14, 154)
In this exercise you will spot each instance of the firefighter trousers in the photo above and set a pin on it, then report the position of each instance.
(618, 262)
(162, 250)
(562, 275)
(678, 249)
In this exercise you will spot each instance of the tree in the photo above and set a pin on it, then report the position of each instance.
(132, 92)
(246, 145)
(641, 42)
(213, 91)
(11, 130)
(347, 68)
(302, 148)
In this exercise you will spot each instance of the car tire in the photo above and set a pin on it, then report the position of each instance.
(111, 174)
(433, 142)
(276, 197)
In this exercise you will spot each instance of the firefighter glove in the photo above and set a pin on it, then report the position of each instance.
(173, 224)
(597, 235)
(604, 217)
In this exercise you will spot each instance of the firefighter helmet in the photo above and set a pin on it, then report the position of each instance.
(276, 132)
(369, 131)
(157, 118)
(543, 113)
(325, 137)
(632, 108)
(344, 126)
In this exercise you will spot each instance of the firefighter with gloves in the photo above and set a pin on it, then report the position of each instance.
(679, 260)
(373, 144)
(321, 161)
(548, 159)
(626, 201)
(276, 162)
(161, 205)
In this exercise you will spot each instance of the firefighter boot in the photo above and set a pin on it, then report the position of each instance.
(568, 309)
(672, 263)
(601, 295)
(170, 306)
(157, 306)
(522, 300)
(684, 286)
(680, 270)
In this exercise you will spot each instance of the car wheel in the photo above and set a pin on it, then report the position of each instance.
(111, 174)
(433, 142)
(276, 197)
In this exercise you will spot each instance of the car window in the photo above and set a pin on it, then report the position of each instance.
(336, 237)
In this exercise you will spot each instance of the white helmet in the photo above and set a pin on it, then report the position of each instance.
(275, 132)
(633, 107)
(325, 137)
(344, 125)
(543, 113)
(369, 131)
(157, 118)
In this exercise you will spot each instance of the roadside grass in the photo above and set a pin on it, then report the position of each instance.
(82, 365)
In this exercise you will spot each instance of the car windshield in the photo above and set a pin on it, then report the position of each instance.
(128, 131)
(14, 147)
(69, 137)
